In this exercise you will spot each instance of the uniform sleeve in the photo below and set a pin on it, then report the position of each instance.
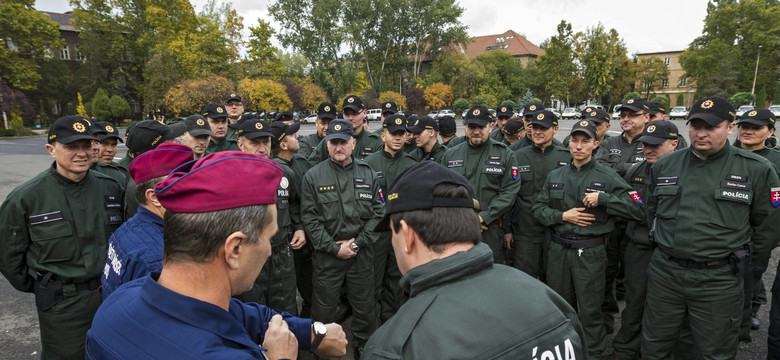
(620, 203)
(651, 201)
(367, 235)
(14, 241)
(604, 156)
(295, 205)
(505, 198)
(542, 211)
(764, 216)
(310, 218)
(319, 153)
(255, 317)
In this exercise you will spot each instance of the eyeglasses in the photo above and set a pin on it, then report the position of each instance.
(626, 115)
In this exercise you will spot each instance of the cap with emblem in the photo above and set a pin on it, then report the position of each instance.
(147, 135)
(479, 116)
(159, 162)
(326, 110)
(199, 186)
(232, 96)
(505, 111)
(110, 131)
(353, 102)
(447, 125)
(514, 125)
(419, 123)
(394, 123)
(758, 117)
(713, 110)
(425, 176)
(596, 115)
(279, 130)
(655, 107)
(532, 107)
(635, 104)
(584, 126)
(214, 111)
(177, 129)
(253, 129)
(659, 131)
(284, 116)
(96, 130)
(389, 107)
(340, 129)
(545, 118)
(68, 129)
(197, 125)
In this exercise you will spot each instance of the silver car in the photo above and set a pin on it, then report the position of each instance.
(678, 112)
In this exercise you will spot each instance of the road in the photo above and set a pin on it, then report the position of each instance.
(23, 158)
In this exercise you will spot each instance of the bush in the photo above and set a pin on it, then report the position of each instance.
(631, 95)
(680, 99)
(460, 105)
(485, 100)
(742, 98)
(663, 99)
(7, 132)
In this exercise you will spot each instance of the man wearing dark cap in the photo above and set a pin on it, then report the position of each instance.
(658, 139)
(340, 207)
(108, 142)
(197, 135)
(492, 169)
(107, 137)
(53, 232)
(534, 163)
(215, 244)
(578, 203)
(601, 118)
(388, 108)
(275, 286)
(529, 111)
(235, 109)
(366, 142)
(449, 274)
(216, 116)
(447, 130)
(286, 117)
(325, 113)
(705, 239)
(135, 249)
(658, 112)
(514, 130)
(387, 164)
(425, 129)
(124, 162)
(504, 113)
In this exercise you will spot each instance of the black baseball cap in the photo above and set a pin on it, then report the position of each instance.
(713, 110)
(596, 115)
(232, 96)
(478, 115)
(95, 129)
(419, 123)
(253, 129)
(279, 130)
(326, 110)
(585, 126)
(110, 131)
(197, 125)
(353, 102)
(214, 111)
(177, 129)
(514, 125)
(394, 123)
(635, 104)
(447, 125)
(659, 131)
(284, 116)
(655, 107)
(147, 135)
(389, 107)
(70, 128)
(505, 110)
(532, 107)
(758, 117)
(413, 190)
(340, 129)
(545, 118)
(130, 128)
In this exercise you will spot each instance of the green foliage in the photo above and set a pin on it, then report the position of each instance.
(761, 98)
(100, 106)
(264, 59)
(537, 100)
(119, 107)
(527, 98)
(557, 68)
(777, 94)
(601, 55)
(312, 96)
(680, 100)
(486, 100)
(296, 66)
(631, 95)
(190, 96)
(650, 73)
(264, 94)
(460, 105)
(16, 121)
(742, 98)
(663, 99)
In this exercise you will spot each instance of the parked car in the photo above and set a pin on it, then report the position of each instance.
(554, 111)
(743, 109)
(615, 112)
(570, 113)
(775, 109)
(463, 116)
(433, 113)
(374, 114)
(445, 112)
(309, 119)
(678, 112)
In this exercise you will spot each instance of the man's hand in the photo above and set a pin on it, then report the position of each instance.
(508, 240)
(345, 252)
(279, 341)
(591, 199)
(578, 217)
(482, 224)
(298, 239)
(334, 344)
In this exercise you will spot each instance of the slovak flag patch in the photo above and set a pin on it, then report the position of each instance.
(775, 194)
(381, 195)
(515, 172)
(634, 195)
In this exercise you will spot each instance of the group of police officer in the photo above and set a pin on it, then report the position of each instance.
(682, 233)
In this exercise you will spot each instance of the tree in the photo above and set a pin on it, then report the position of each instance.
(13, 101)
(438, 96)
(119, 107)
(99, 106)
(415, 100)
(393, 96)
(600, 54)
(312, 96)
(557, 67)
(663, 99)
(294, 92)
(650, 73)
(631, 95)
(264, 94)
(264, 59)
(485, 100)
(80, 109)
(460, 105)
(761, 98)
(296, 66)
(742, 98)
(680, 100)
(190, 96)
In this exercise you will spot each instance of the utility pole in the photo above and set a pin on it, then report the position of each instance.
(755, 75)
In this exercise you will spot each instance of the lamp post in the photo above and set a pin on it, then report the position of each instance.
(755, 75)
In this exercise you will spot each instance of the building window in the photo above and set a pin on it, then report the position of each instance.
(80, 55)
(510, 37)
(493, 47)
(683, 82)
(665, 83)
(64, 53)
(667, 60)
(504, 46)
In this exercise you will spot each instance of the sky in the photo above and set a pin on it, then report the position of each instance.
(645, 26)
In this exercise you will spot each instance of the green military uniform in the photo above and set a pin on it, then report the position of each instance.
(54, 235)
(620, 154)
(566, 142)
(463, 289)
(491, 168)
(525, 142)
(409, 148)
(436, 154)
(577, 258)
(340, 203)
(308, 143)
(533, 166)
(457, 141)
(366, 144)
(227, 144)
(497, 135)
(386, 273)
(705, 212)
(124, 162)
(113, 171)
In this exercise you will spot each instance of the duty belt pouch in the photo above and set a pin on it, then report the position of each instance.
(47, 293)
(740, 260)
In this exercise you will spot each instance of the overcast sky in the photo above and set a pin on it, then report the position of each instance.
(645, 26)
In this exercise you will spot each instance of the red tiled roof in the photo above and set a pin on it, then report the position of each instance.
(510, 41)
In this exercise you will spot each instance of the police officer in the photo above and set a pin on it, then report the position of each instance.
(325, 113)
(366, 142)
(491, 168)
(529, 110)
(579, 204)
(658, 112)
(340, 207)
(124, 162)
(107, 137)
(658, 139)
(388, 108)
(424, 130)
(216, 115)
(703, 235)
(387, 164)
(514, 130)
(447, 130)
(235, 111)
(53, 232)
(504, 113)
(197, 135)
(601, 118)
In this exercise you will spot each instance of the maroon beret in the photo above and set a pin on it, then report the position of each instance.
(159, 162)
(200, 186)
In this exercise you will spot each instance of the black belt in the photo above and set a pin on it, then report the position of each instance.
(690, 264)
(91, 284)
(577, 242)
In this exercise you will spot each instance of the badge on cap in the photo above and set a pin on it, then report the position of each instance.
(388, 105)
(752, 113)
(593, 113)
(532, 107)
(259, 126)
(584, 123)
(587, 110)
(398, 121)
(503, 109)
(540, 117)
(219, 109)
(337, 127)
(634, 195)
(200, 122)
(232, 95)
(351, 100)
(707, 104)
(651, 128)
(326, 108)
(109, 128)
(79, 127)
(630, 101)
(476, 112)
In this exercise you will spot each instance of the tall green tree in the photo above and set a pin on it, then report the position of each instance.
(650, 73)
(600, 53)
(28, 36)
(557, 67)
(264, 59)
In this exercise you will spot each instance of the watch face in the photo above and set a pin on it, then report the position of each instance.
(320, 329)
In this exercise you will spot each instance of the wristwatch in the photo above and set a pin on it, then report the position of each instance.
(320, 331)
(355, 247)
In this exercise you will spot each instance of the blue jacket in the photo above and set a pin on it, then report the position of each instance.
(135, 249)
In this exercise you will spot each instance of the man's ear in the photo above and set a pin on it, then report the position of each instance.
(411, 239)
(50, 149)
(151, 197)
(234, 248)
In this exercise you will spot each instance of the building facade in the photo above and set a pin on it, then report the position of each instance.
(677, 85)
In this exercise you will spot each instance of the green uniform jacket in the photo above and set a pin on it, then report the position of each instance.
(113, 171)
(227, 144)
(299, 166)
(387, 168)
(436, 154)
(706, 209)
(491, 169)
(525, 141)
(497, 134)
(773, 155)
(339, 203)
(457, 141)
(637, 176)
(534, 166)
(308, 143)
(619, 154)
(52, 224)
(124, 163)
(566, 187)
(366, 144)
(288, 205)
(459, 307)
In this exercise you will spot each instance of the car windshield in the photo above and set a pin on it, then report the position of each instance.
(775, 107)
(679, 108)
(745, 107)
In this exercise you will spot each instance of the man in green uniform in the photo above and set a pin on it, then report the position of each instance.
(216, 115)
(325, 113)
(658, 112)
(107, 138)
(197, 135)
(428, 148)
(658, 139)
(491, 168)
(54, 232)
(340, 207)
(366, 142)
(601, 118)
(447, 130)
(579, 204)
(704, 236)
(504, 113)
(275, 286)
(388, 108)
(124, 162)
(534, 163)
(458, 306)
(529, 111)
(514, 130)
(387, 164)
(235, 110)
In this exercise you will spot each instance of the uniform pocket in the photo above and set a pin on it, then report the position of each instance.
(732, 208)
(667, 201)
(54, 241)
